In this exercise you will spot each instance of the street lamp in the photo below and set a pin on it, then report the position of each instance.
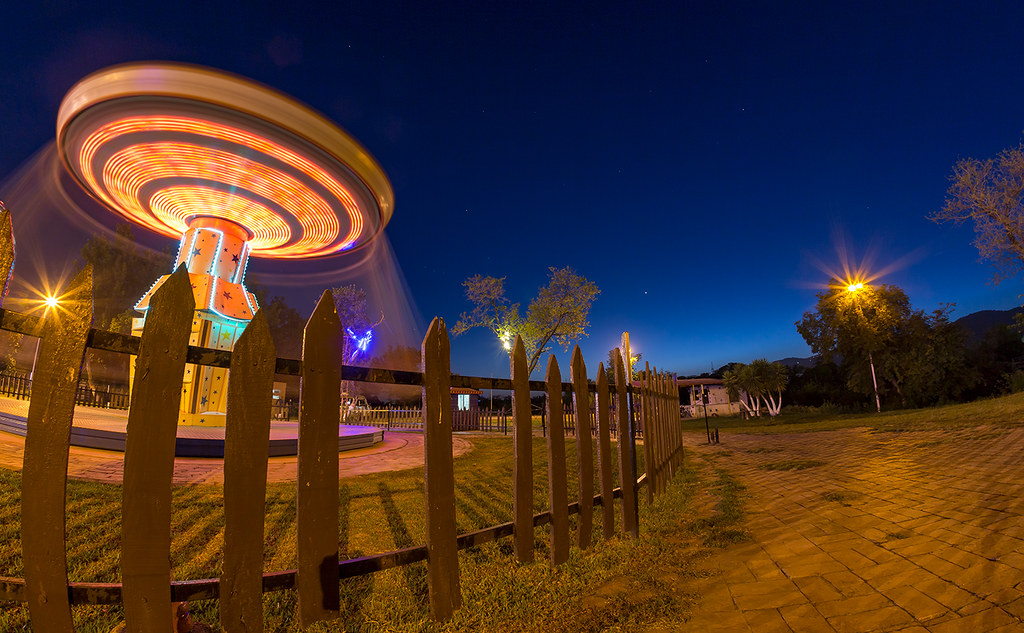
(506, 340)
(853, 288)
(50, 301)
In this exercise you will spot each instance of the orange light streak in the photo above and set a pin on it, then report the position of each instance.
(127, 171)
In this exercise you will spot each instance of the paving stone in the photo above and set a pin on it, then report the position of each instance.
(767, 621)
(852, 559)
(980, 622)
(885, 618)
(917, 604)
(988, 577)
(805, 618)
(974, 607)
(945, 592)
(817, 589)
(850, 606)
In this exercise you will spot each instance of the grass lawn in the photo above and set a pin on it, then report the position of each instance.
(635, 581)
(1006, 411)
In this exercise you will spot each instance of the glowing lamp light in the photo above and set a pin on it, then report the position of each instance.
(506, 340)
(854, 287)
(51, 302)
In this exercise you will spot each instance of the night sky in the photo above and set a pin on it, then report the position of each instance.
(705, 164)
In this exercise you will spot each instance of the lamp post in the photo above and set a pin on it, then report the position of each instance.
(853, 289)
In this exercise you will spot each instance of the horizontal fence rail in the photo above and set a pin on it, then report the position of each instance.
(20, 323)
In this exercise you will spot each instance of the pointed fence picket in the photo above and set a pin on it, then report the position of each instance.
(246, 450)
(148, 592)
(584, 452)
(44, 477)
(522, 448)
(149, 456)
(316, 499)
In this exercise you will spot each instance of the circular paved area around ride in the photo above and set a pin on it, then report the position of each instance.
(894, 531)
(398, 451)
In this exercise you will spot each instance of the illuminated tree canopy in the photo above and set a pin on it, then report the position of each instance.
(557, 314)
(919, 356)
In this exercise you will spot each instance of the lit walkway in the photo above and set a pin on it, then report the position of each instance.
(911, 531)
(398, 451)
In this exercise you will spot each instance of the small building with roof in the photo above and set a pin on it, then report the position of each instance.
(691, 397)
(465, 408)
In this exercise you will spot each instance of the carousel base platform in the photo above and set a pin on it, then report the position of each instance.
(106, 430)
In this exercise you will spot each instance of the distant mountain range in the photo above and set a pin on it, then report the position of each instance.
(975, 324)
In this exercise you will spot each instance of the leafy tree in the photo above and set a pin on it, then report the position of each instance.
(402, 358)
(919, 356)
(992, 360)
(122, 273)
(731, 380)
(285, 322)
(609, 369)
(989, 193)
(758, 382)
(558, 312)
(818, 384)
(350, 302)
(927, 363)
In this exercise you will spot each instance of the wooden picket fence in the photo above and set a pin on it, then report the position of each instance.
(146, 591)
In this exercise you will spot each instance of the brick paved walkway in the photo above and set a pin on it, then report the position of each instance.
(896, 531)
(398, 451)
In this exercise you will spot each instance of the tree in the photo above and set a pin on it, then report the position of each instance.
(609, 369)
(919, 356)
(989, 192)
(731, 380)
(350, 302)
(558, 313)
(285, 322)
(758, 382)
(395, 357)
(122, 273)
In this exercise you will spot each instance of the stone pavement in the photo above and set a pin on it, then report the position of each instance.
(398, 451)
(895, 531)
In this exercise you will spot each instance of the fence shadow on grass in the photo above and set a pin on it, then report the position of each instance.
(415, 574)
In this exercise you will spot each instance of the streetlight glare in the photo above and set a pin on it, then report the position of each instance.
(855, 287)
(51, 302)
(506, 340)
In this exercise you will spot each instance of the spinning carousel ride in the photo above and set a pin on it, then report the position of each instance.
(233, 170)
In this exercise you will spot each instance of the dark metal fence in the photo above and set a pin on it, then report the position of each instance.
(107, 397)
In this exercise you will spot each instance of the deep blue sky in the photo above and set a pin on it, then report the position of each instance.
(694, 159)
